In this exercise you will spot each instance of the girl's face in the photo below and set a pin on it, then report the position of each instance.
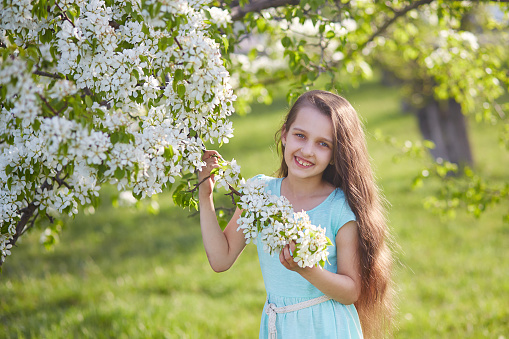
(308, 144)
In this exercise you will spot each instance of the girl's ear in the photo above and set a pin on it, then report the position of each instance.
(283, 134)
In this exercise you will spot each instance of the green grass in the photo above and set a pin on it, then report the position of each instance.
(124, 273)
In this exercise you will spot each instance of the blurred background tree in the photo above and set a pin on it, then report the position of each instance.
(450, 57)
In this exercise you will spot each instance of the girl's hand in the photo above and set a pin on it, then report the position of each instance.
(286, 258)
(210, 158)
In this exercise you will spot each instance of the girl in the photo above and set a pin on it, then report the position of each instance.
(325, 171)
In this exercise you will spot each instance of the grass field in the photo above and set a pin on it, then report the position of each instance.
(124, 273)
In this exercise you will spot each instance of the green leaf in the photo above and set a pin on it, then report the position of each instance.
(286, 42)
(226, 43)
(9, 169)
(88, 101)
(181, 91)
(261, 24)
(119, 173)
(178, 75)
(115, 137)
(137, 195)
(168, 153)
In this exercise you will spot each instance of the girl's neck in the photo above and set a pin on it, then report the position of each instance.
(305, 188)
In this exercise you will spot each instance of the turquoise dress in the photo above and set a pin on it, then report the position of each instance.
(329, 319)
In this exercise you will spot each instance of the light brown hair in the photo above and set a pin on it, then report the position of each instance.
(351, 171)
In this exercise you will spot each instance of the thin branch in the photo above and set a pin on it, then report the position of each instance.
(50, 75)
(61, 181)
(62, 109)
(65, 15)
(48, 105)
(233, 192)
(238, 12)
(397, 14)
(178, 43)
(195, 186)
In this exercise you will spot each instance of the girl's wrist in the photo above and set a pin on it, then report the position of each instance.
(307, 272)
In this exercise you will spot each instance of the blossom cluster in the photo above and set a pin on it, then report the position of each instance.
(95, 92)
(273, 221)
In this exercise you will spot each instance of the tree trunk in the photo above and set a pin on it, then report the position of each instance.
(445, 125)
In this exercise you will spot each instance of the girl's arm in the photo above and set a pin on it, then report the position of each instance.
(222, 247)
(345, 286)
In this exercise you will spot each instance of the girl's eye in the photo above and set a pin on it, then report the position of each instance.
(324, 144)
(299, 135)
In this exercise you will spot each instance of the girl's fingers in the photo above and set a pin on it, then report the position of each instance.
(292, 247)
(286, 256)
(210, 154)
(210, 157)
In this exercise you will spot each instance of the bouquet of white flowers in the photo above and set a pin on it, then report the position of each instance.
(273, 220)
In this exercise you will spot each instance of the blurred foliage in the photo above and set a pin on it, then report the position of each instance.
(437, 50)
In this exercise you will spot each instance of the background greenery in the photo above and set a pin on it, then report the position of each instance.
(123, 272)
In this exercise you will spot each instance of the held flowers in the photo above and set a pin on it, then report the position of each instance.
(273, 221)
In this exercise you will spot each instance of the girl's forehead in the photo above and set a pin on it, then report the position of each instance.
(312, 120)
(310, 113)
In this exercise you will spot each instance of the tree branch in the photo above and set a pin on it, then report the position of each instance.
(50, 75)
(198, 184)
(48, 105)
(233, 192)
(65, 15)
(61, 181)
(238, 12)
(26, 215)
(397, 14)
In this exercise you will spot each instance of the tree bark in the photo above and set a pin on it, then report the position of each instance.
(445, 125)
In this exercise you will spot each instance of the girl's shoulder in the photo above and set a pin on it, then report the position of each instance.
(340, 210)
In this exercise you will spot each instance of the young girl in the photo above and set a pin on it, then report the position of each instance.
(325, 171)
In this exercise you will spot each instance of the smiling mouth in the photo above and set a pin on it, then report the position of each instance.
(303, 162)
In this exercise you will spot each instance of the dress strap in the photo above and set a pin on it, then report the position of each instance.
(272, 311)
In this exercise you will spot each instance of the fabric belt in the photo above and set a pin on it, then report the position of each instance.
(272, 311)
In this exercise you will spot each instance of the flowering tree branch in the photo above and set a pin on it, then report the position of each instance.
(47, 74)
(238, 12)
(112, 118)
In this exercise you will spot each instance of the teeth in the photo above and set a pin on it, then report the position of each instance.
(307, 164)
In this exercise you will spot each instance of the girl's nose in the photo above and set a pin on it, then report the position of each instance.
(307, 149)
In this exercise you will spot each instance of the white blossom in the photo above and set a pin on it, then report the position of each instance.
(117, 114)
(273, 220)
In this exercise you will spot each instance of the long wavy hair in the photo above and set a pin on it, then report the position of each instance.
(351, 171)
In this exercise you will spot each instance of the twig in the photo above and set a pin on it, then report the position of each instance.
(62, 109)
(198, 184)
(47, 104)
(178, 43)
(238, 12)
(397, 14)
(50, 75)
(233, 192)
(65, 15)
(61, 181)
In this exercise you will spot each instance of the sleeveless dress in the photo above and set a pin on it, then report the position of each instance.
(329, 319)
